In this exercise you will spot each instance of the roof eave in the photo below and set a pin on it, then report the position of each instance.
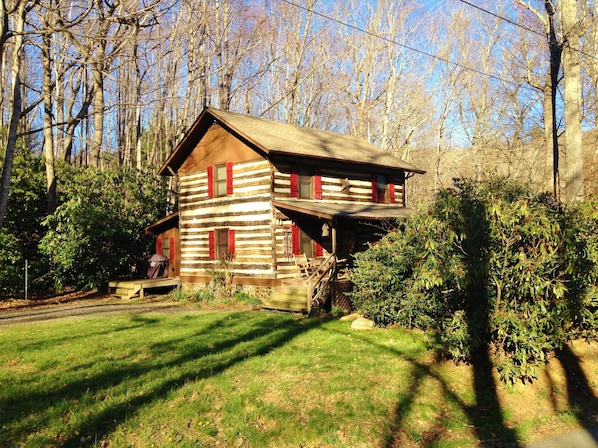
(194, 134)
(159, 226)
(408, 168)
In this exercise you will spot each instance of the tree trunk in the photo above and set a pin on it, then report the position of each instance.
(48, 134)
(98, 112)
(573, 172)
(550, 96)
(3, 38)
(15, 109)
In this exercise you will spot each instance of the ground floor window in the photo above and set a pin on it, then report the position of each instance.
(222, 243)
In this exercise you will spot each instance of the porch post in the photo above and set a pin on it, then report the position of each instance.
(333, 237)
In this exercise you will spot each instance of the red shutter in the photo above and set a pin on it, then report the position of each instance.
(210, 182)
(229, 178)
(319, 250)
(295, 240)
(391, 191)
(158, 245)
(171, 255)
(294, 185)
(212, 244)
(231, 241)
(318, 184)
(374, 190)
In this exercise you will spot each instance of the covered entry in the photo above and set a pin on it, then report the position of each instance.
(343, 228)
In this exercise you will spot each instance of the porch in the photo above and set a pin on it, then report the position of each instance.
(317, 288)
(342, 228)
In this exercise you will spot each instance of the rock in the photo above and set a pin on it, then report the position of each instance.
(350, 317)
(361, 323)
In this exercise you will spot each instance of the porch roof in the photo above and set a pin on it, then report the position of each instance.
(163, 224)
(347, 210)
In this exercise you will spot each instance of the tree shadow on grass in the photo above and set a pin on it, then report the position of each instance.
(486, 415)
(582, 399)
(209, 351)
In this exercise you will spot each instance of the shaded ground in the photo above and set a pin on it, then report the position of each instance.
(84, 303)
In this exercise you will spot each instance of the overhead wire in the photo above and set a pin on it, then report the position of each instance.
(403, 45)
(512, 22)
(519, 25)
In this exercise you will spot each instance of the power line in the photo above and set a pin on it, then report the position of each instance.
(512, 22)
(408, 47)
(519, 25)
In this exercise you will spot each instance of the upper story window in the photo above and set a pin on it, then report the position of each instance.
(220, 180)
(383, 191)
(381, 194)
(306, 183)
(305, 186)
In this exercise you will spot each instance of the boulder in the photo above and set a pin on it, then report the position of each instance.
(361, 323)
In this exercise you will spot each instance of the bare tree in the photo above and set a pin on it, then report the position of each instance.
(564, 29)
(571, 30)
(18, 19)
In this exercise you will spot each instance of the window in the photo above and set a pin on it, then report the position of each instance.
(306, 244)
(220, 180)
(221, 243)
(305, 185)
(302, 243)
(166, 247)
(380, 190)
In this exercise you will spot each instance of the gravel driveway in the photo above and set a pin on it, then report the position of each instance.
(82, 308)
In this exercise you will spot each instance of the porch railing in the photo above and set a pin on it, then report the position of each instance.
(318, 282)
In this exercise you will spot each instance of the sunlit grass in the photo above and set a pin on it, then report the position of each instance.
(237, 378)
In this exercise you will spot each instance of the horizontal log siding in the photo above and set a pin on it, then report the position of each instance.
(248, 211)
(332, 188)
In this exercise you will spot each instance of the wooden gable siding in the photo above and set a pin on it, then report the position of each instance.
(335, 188)
(215, 147)
(248, 211)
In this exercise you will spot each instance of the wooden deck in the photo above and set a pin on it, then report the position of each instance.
(128, 289)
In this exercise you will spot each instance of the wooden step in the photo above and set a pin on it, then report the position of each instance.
(288, 297)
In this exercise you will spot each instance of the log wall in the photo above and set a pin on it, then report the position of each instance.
(248, 211)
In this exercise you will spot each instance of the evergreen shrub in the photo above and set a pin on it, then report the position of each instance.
(96, 233)
(489, 266)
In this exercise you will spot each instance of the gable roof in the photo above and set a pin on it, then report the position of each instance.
(274, 138)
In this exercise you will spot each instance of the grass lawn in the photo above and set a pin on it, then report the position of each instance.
(259, 379)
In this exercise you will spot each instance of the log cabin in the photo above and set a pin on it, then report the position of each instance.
(283, 208)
